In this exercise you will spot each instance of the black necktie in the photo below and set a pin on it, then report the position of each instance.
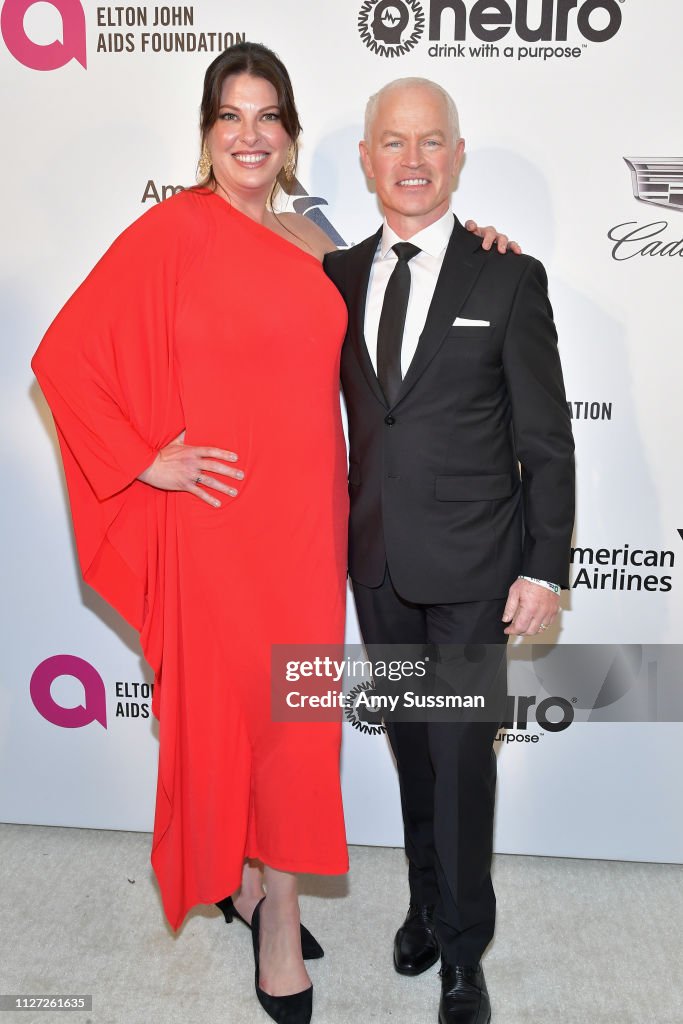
(392, 321)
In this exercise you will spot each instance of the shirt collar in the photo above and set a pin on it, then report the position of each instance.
(432, 240)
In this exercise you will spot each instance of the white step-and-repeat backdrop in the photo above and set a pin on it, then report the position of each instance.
(569, 110)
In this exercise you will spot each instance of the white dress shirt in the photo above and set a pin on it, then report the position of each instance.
(424, 271)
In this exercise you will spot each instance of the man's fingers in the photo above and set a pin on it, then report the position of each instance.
(528, 607)
(522, 616)
(515, 247)
(510, 609)
(519, 624)
(519, 627)
(528, 621)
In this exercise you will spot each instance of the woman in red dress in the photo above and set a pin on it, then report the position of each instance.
(193, 378)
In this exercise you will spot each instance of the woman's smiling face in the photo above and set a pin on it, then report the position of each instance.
(248, 144)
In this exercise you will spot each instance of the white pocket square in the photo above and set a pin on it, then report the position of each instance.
(461, 321)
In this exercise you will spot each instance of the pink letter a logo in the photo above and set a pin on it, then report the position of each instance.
(93, 710)
(53, 55)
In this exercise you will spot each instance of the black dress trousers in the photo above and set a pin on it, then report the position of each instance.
(446, 769)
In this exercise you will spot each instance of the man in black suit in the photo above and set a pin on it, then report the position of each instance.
(462, 495)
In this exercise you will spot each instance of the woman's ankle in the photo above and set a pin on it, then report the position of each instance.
(282, 910)
(252, 883)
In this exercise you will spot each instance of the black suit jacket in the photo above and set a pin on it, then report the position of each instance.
(436, 487)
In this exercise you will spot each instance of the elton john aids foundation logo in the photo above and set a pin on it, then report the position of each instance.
(94, 706)
(44, 56)
(390, 28)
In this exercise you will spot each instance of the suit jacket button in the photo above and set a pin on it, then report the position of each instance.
(389, 420)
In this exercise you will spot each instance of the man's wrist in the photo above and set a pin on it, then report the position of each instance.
(541, 583)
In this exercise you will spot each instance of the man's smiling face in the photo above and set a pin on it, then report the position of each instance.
(413, 156)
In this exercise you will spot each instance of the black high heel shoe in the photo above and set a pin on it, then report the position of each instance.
(294, 1009)
(310, 947)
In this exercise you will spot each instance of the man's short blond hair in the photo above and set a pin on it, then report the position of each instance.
(402, 83)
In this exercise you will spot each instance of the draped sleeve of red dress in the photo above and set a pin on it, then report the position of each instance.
(199, 319)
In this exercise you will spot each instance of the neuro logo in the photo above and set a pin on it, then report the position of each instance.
(361, 718)
(391, 28)
(657, 180)
(491, 22)
(48, 56)
(94, 708)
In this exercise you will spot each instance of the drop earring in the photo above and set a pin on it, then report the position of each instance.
(204, 165)
(290, 164)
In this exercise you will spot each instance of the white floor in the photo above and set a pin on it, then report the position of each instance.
(578, 942)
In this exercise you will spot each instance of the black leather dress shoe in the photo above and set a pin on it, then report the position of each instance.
(416, 947)
(464, 998)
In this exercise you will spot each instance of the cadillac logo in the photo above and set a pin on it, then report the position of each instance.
(657, 180)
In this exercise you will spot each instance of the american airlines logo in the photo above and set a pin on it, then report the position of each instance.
(309, 206)
(303, 203)
(657, 180)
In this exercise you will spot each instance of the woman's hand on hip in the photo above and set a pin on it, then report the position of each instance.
(184, 467)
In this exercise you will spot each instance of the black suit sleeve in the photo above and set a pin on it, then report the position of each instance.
(542, 429)
(332, 266)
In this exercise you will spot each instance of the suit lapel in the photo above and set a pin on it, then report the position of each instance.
(461, 266)
(358, 293)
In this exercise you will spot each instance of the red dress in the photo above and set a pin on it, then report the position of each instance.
(198, 318)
